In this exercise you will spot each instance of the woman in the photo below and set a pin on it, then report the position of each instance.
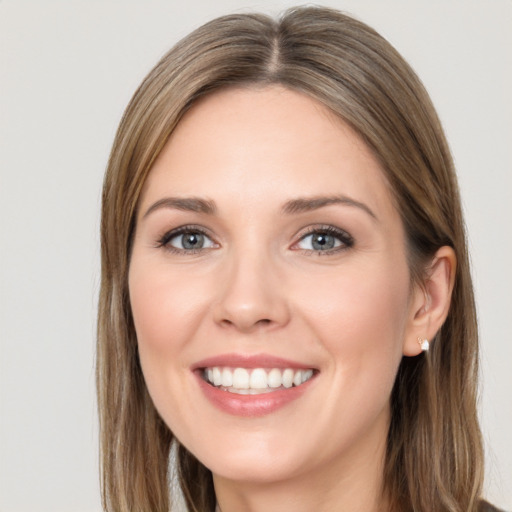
(286, 295)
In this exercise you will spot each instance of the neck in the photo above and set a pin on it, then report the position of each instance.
(353, 483)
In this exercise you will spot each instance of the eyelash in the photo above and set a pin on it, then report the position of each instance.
(347, 241)
(345, 238)
(163, 242)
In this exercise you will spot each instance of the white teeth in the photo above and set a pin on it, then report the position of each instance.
(259, 380)
(275, 379)
(249, 391)
(217, 377)
(306, 375)
(227, 378)
(288, 378)
(240, 378)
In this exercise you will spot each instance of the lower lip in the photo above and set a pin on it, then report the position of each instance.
(251, 405)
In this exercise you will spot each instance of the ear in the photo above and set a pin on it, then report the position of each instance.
(430, 301)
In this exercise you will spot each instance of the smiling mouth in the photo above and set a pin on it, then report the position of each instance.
(244, 381)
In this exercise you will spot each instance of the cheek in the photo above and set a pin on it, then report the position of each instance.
(362, 303)
(359, 318)
(166, 311)
(165, 307)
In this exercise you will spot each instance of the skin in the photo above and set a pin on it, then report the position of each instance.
(258, 286)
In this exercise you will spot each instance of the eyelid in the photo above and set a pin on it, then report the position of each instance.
(163, 241)
(343, 236)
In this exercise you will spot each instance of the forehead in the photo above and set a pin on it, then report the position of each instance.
(271, 143)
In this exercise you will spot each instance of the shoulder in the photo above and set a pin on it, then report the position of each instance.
(487, 507)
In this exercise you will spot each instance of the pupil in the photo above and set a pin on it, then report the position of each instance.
(192, 240)
(321, 241)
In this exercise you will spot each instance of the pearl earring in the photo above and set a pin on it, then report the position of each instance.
(424, 344)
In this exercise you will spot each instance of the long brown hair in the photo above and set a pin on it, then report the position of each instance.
(434, 453)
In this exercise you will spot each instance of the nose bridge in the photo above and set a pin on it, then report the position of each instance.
(251, 294)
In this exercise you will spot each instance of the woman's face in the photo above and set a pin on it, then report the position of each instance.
(270, 288)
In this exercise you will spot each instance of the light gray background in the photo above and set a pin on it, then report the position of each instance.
(67, 70)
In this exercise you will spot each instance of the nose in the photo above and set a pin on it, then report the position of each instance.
(252, 296)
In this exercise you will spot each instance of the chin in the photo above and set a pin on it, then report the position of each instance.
(256, 470)
(248, 458)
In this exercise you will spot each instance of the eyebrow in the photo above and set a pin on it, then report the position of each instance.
(307, 204)
(299, 205)
(187, 204)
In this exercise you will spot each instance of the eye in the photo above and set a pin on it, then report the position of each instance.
(190, 241)
(186, 240)
(325, 239)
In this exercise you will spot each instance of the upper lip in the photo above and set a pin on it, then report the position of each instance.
(249, 361)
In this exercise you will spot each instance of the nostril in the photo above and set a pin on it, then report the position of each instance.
(259, 323)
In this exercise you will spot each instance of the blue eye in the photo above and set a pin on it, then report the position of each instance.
(325, 239)
(186, 240)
